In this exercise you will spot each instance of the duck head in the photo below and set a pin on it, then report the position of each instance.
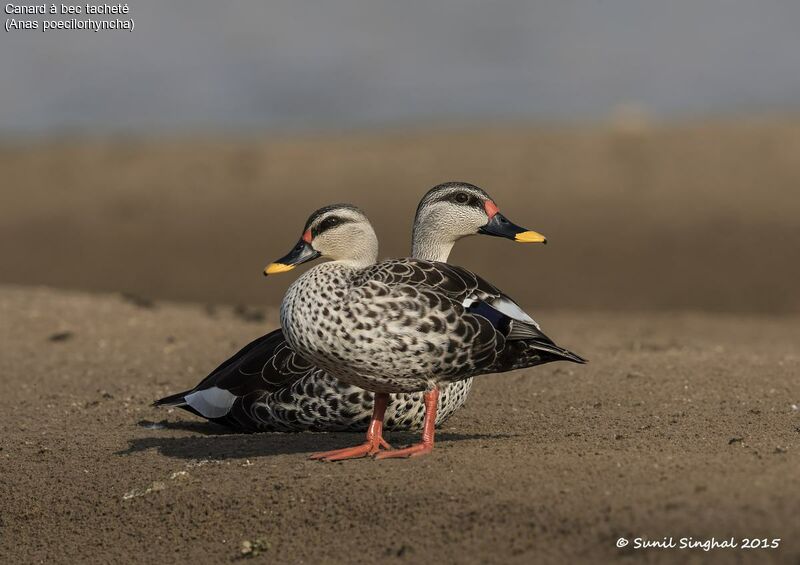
(340, 232)
(454, 210)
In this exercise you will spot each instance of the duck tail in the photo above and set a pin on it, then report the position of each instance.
(530, 353)
(552, 352)
(530, 346)
(173, 400)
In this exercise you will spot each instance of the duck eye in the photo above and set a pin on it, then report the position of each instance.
(462, 198)
(329, 223)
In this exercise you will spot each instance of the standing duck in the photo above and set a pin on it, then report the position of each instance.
(267, 387)
(398, 326)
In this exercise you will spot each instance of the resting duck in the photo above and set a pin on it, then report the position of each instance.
(266, 387)
(398, 326)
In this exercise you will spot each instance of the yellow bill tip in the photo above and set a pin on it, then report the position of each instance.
(275, 268)
(530, 237)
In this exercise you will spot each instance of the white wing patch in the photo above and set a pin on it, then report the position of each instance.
(504, 305)
(512, 310)
(212, 402)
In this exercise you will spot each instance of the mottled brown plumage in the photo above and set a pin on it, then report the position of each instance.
(402, 325)
(267, 387)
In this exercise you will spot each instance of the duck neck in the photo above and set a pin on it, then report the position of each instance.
(431, 244)
(355, 263)
(361, 253)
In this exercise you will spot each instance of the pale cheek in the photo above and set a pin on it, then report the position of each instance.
(337, 247)
(473, 223)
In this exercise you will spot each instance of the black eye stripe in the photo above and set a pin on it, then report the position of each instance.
(328, 223)
(472, 200)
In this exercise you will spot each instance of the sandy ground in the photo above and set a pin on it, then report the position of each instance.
(682, 425)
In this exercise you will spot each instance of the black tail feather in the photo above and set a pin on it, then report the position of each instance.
(561, 354)
(173, 399)
(532, 352)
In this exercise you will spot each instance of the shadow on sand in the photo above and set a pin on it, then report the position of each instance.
(217, 442)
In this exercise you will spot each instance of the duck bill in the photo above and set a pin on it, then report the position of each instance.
(500, 226)
(301, 253)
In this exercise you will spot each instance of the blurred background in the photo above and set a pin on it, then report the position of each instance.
(656, 144)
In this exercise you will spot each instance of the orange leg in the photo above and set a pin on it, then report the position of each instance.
(431, 399)
(374, 441)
